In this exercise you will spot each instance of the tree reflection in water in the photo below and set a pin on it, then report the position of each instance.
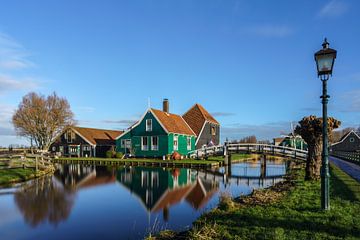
(44, 200)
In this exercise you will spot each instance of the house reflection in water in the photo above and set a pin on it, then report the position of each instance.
(76, 176)
(159, 189)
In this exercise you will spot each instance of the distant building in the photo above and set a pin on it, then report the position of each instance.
(350, 142)
(205, 126)
(277, 141)
(84, 142)
(294, 141)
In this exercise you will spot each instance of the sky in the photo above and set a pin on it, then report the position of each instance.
(248, 62)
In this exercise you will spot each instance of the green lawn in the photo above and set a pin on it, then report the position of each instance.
(16, 175)
(294, 215)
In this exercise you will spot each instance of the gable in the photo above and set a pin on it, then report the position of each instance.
(140, 128)
(196, 118)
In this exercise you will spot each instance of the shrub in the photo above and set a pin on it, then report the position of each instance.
(109, 154)
(119, 155)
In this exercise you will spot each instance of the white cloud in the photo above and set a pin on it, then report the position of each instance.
(13, 55)
(334, 8)
(9, 83)
(271, 30)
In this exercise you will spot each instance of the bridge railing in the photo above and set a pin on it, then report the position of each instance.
(250, 148)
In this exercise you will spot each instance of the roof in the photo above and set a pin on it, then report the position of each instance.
(172, 123)
(196, 117)
(98, 136)
(345, 136)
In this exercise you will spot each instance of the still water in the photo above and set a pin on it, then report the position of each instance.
(97, 202)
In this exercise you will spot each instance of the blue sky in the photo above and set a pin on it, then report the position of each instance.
(250, 63)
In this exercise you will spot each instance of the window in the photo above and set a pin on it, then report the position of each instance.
(188, 143)
(154, 143)
(144, 179)
(61, 149)
(144, 143)
(122, 143)
(148, 125)
(73, 149)
(213, 130)
(53, 148)
(352, 139)
(70, 136)
(176, 143)
(86, 148)
(154, 179)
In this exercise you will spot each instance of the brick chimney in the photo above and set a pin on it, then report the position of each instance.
(166, 105)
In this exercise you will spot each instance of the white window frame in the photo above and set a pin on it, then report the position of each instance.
(188, 143)
(69, 140)
(144, 147)
(352, 139)
(213, 130)
(148, 126)
(176, 139)
(154, 147)
(122, 143)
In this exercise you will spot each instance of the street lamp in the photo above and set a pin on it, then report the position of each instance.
(325, 62)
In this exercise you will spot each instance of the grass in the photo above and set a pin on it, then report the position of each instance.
(12, 175)
(295, 214)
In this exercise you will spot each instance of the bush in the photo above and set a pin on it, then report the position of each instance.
(119, 155)
(109, 154)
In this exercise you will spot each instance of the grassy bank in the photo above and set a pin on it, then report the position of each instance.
(15, 175)
(290, 210)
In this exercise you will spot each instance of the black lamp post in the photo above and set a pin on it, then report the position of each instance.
(325, 61)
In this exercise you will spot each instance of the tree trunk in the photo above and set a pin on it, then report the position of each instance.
(313, 163)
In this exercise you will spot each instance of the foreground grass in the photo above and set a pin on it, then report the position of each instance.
(15, 175)
(295, 214)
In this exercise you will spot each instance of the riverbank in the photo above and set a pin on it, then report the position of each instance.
(15, 175)
(288, 210)
(210, 162)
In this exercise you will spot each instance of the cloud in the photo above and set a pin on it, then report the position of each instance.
(13, 55)
(127, 122)
(334, 8)
(271, 30)
(261, 131)
(222, 114)
(8, 83)
(6, 127)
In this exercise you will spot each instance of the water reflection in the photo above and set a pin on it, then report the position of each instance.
(160, 188)
(85, 200)
(44, 200)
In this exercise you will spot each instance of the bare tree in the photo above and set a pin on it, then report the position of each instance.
(41, 118)
(310, 129)
(248, 139)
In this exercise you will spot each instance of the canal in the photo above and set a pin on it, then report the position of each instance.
(93, 202)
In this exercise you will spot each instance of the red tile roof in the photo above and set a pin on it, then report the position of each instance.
(98, 136)
(173, 123)
(196, 117)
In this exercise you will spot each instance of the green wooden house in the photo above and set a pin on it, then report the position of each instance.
(157, 134)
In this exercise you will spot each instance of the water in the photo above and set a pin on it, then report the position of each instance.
(90, 202)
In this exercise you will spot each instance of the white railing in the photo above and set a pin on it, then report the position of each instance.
(250, 148)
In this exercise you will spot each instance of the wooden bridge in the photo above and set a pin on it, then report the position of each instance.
(250, 148)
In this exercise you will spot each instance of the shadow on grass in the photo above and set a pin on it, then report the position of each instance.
(238, 223)
(343, 186)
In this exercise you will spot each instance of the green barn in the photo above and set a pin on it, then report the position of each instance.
(157, 134)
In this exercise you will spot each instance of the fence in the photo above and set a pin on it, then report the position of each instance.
(9, 161)
(348, 156)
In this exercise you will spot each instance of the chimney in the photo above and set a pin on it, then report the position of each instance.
(166, 105)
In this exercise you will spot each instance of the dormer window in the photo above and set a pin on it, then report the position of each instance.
(148, 125)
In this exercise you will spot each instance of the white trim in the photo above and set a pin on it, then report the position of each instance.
(141, 119)
(202, 129)
(352, 131)
(187, 144)
(142, 143)
(177, 142)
